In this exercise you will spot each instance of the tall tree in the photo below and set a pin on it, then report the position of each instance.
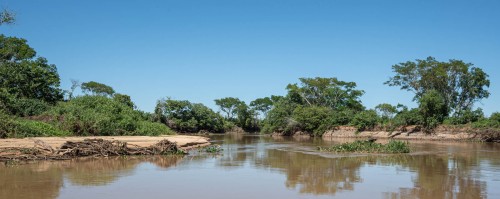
(25, 76)
(459, 83)
(262, 104)
(229, 106)
(97, 88)
(327, 92)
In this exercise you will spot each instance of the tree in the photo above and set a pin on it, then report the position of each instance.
(185, 116)
(228, 105)
(25, 76)
(386, 111)
(97, 88)
(262, 104)
(124, 99)
(74, 84)
(432, 107)
(460, 84)
(327, 92)
(7, 17)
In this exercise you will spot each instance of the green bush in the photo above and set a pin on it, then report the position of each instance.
(151, 129)
(313, 119)
(95, 115)
(29, 128)
(29, 107)
(6, 124)
(365, 120)
(466, 117)
(364, 146)
(408, 117)
(185, 116)
(279, 119)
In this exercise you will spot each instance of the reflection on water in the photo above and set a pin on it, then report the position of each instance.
(291, 166)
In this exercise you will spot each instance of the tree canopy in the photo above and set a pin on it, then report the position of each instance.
(7, 17)
(459, 83)
(25, 76)
(328, 92)
(229, 106)
(97, 88)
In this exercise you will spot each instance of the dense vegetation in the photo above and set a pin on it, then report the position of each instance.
(33, 104)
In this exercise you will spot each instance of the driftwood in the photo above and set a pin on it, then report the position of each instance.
(86, 148)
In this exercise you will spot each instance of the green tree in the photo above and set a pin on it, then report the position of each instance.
(124, 99)
(460, 84)
(228, 105)
(185, 116)
(97, 88)
(262, 104)
(327, 92)
(7, 17)
(25, 76)
(432, 107)
(386, 111)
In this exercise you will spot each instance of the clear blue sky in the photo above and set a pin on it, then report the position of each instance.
(201, 50)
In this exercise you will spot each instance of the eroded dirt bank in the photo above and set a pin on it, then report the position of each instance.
(414, 133)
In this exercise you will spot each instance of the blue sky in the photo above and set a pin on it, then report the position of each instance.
(201, 50)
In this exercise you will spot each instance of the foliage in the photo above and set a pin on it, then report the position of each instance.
(432, 107)
(6, 124)
(124, 99)
(29, 128)
(97, 88)
(408, 117)
(213, 149)
(326, 92)
(460, 84)
(96, 115)
(365, 120)
(229, 106)
(364, 146)
(386, 111)
(246, 118)
(313, 119)
(7, 17)
(466, 117)
(262, 104)
(24, 76)
(190, 117)
(279, 119)
(151, 129)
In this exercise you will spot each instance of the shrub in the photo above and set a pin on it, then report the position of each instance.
(95, 115)
(313, 119)
(29, 128)
(364, 146)
(466, 117)
(365, 120)
(29, 107)
(408, 117)
(151, 129)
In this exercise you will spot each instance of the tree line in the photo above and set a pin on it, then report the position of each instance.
(32, 103)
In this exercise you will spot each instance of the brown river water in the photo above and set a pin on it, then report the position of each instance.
(265, 167)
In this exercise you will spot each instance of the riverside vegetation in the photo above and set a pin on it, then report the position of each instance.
(32, 103)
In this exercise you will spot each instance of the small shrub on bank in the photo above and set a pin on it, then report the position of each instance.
(365, 120)
(151, 129)
(29, 128)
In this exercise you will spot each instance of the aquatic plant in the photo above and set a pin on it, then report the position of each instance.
(367, 146)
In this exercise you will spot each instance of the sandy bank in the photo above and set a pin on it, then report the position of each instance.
(183, 141)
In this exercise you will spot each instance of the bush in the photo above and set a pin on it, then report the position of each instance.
(95, 115)
(365, 120)
(408, 117)
(185, 116)
(29, 107)
(6, 124)
(466, 117)
(313, 119)
(279, 119)
(364, 146)
(151, 129)
(29, 128)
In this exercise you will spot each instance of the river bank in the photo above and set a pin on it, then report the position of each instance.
(56, 148)
(441, 133)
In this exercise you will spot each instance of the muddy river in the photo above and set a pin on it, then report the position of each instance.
(265, 167)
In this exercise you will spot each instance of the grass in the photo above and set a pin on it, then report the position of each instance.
(212, 149)
(363, 146)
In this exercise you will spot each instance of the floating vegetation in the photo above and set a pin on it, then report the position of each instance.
(213, 149)
(368, 146)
